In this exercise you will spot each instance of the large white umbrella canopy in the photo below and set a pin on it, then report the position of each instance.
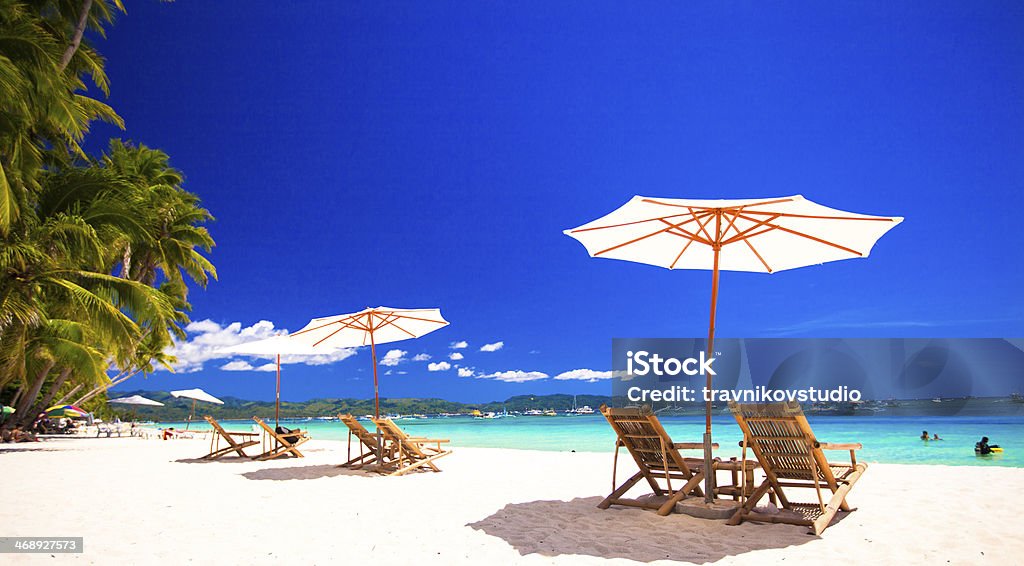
(761, 235)
(195, 395)
(136, 400)
(369, 327)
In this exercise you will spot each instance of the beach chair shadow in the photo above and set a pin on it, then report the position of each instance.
(577, 527)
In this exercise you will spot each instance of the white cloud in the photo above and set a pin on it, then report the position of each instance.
(492, 347)
(515, 376)
(455, 356)
(393, 358)
(459, 345)
(421, 357)
(439, 366)
(207, 339)
(242, 365)
(534, 351)
(465, 372)
(584, 375)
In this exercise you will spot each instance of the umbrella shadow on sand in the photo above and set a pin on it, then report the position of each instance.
(578, 527)
(303, 473)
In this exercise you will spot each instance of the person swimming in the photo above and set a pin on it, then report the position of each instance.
(936, 437)
(924, 435)
(983, 447)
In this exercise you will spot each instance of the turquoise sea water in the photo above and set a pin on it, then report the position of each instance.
(888, 439)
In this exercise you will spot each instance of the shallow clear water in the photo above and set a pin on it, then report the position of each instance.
(885, 439)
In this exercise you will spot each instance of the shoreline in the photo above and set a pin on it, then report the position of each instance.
(148, 500)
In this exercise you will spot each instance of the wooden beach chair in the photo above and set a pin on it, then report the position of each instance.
(237, 441)
(409, 453)
(282, 444)
(367, 444)
(640, 432)
(791, 457)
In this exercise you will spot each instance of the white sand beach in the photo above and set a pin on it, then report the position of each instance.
(151, 501)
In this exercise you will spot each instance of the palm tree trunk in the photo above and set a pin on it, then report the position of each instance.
(68, 394)
(76, 40)
(27, 400)
(54, 388)
(97, 390)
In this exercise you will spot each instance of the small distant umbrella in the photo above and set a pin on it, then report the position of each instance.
(195, 395)
(136, 400)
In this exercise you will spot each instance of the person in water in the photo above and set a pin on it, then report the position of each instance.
(936, 437)
(983, 446)
(924, 435)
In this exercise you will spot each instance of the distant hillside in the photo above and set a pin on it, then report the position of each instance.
(234, 408)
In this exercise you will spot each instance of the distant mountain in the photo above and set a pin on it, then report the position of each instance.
(175, 409)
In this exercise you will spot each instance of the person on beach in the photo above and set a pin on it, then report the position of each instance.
(291, 435)
(983, 447)
(924, 435)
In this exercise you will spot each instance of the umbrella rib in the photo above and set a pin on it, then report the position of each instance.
(809, 237)
(662, 231)
(687, 246)
(751, 232)
(816, 217)
(655, 219)
(684, 234)
(347, 323)
(703, 227)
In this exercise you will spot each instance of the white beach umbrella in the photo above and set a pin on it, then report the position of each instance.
(195, 395)
(369, 327)
(136, 400)
(760, 235)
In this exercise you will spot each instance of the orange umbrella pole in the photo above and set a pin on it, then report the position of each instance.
(709, 474)
(376, 395)
(277, 395)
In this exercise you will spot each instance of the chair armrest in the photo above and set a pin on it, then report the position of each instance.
(691, 445)
(421, 440)
(840, 446)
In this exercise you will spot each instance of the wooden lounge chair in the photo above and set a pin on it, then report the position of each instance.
(282, 444)
(367, 444)
(640, 432)
(237, 441)
(782, 441)
(409, 453)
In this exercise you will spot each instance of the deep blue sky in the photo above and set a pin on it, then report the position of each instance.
(430, 154)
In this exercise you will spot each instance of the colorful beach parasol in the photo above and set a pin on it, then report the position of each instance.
(760, 235)
(66, 412)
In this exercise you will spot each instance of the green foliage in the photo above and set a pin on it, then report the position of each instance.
(95, 253)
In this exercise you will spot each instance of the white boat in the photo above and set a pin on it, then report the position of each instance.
(534, 413)
(585, 410)
(936, 400)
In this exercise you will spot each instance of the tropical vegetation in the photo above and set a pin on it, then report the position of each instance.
(97, 252)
